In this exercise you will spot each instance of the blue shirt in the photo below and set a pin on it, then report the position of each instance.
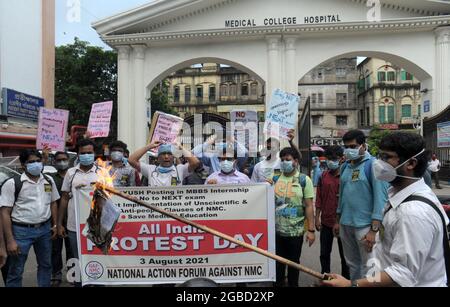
(362, 200)
(317, 173)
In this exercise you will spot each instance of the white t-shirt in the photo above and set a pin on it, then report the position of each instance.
(76, 178)
(434, 166)
(265, 170)
(173, 178)
(34, 200)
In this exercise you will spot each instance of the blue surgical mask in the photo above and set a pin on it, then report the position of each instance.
(117, 156)
(125, 161)
(164, 170)
(333, 165)
(87, 159)
(35, 169)
(352, 154)
(226, 166)
(287, 167)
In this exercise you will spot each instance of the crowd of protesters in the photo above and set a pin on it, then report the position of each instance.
(376, 208)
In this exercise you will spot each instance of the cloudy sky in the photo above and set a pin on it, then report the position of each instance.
(90, 11)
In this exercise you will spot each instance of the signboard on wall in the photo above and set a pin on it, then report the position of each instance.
(443, 135)
(21, 105)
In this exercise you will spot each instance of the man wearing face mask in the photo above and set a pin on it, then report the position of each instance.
(327, 197)
(294, 193)
(62, 164)
(270, 166)
(361, 203)
(228, 173)
(124, 175)
(28, 212)
(82, 175)
(412, 246)
(166, 174)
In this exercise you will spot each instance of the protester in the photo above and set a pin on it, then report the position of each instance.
(167, 173)
(293, 192)
(124, 175)
(410, 248)
(3, 254)
(82, 175)
(435, 167)
(270, 165)
(327, 198)
(62, 164)
(198, 177)
(228, 173)
(28, 211)
(317, 171)
(361, 203)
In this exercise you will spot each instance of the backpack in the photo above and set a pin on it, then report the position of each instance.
(301, 180)
(18, 184)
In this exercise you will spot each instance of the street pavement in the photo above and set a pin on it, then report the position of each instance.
(310, 257)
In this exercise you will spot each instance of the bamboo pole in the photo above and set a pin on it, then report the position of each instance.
(215, 233)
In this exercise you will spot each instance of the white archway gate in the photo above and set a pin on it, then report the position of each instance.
(275, 41)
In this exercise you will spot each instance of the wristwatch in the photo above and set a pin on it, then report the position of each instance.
(355, 284)
(375, 228)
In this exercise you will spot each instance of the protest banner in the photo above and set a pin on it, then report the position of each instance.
(246, 126)
(282, 114)
(100, 120)
(443, 135)
(165, 128)
(52, 129)
(149, 248)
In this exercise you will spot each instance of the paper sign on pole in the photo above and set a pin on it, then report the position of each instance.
(100, 120)
(52, 129)
(165, 128)
(282, 114)
(149, 248)
(246, 127)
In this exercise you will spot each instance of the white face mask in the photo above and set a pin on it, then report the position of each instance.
(385, 172)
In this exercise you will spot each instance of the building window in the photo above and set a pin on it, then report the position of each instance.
(391, 114)
(341, 72)
(368, 85)
(212, 93)
(176, 94)
(381, 76)
(391, 76)
(317, 120)
(382, 112)
(406, 76)
(224, 90)
(368, 117)
(341, 120)
(406, 111)
(320, 98)
(314, 98)
(254, 90)
(187, 94)
(244, 90)
(419, 110)
(233, 90)
(199, 94)
(341, 98)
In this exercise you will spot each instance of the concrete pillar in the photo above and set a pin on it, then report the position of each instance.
(273, 66)
(442, 89)
(124, 104)
(291, 73)
(139, 120)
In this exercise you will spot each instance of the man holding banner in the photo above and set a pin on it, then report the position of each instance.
(167, 174)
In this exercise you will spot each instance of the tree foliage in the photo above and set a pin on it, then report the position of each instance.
(160, 99)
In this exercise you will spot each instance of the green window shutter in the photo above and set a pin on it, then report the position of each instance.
(391, 114)
(406, 111)
(381, 76)
(403, 75)
(382, 117)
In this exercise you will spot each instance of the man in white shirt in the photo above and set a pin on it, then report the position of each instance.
(434, 166)
(166, 174)
(82, 175)
(409, 251)
(270, 166)
(28, 212)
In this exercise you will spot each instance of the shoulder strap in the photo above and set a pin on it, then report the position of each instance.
(343, 167)
(18, 184)
(368, 169)
(71, 180)
(445, 237)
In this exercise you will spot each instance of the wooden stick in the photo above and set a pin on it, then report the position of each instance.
(216, 233)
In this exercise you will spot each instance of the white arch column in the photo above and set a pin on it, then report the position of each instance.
(442, 89)
(124, 103)
(139, 120)
(273, 65)
(291, 55)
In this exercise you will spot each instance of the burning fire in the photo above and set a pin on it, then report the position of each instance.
(104, 179)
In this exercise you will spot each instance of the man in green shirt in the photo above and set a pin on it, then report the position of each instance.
(294, 193)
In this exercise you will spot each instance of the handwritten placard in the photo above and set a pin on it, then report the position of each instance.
(100, 120)
(165, 128)
(282, 114)
(52, 129)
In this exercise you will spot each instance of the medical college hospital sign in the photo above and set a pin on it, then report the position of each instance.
(281, 21)
(20, 105)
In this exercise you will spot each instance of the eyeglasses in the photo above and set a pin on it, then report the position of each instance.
(225, 159)
(385, 157)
